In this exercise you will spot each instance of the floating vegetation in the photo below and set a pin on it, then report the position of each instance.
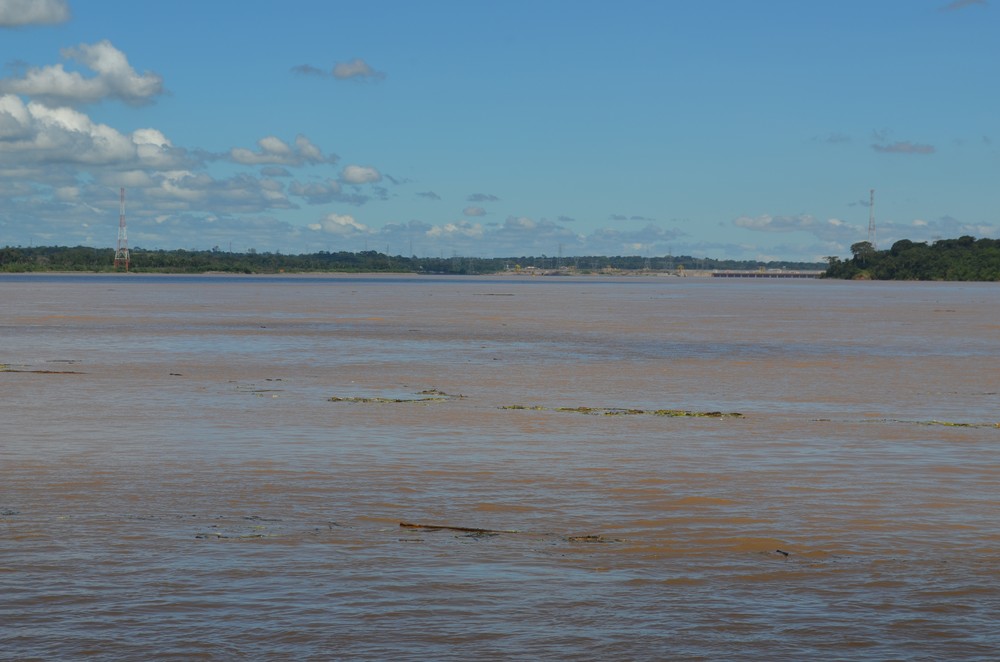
(593, 539)
(951, 424)
(427, 395)
(442, 394)
(617, 411)
(474, 532)
(947, 424)
(224, 536)
(378, 401)
(444, 527)
(7, 367)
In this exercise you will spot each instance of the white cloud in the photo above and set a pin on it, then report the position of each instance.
(832, 229)
(340, 224)
(115, 79)
(37, 133)
(308, 151)
(128, 179)
(274, 151)
(462, 229)
(474, 211)
(14, 13)
(356, 68)
(519, 223)
(355, 174)
(317, 193)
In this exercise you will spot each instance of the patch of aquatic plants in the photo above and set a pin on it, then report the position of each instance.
(427, 395)
(617, 411)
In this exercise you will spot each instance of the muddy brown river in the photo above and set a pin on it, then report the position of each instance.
(217, 468)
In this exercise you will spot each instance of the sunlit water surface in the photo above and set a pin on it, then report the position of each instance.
(176, 482)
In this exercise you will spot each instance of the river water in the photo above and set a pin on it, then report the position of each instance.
(217, 467)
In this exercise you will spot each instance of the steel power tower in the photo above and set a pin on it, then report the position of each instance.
(871, 221)
(121, 252)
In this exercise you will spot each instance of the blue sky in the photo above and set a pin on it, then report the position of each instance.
(746, 129)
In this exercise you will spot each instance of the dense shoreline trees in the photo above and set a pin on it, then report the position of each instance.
(82, 258)
(962, 259)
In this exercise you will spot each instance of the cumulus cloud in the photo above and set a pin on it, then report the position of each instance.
(317, 193)
(460, 229)
(482, 197)
(830, 230)
(35, 133)
(430, 195)
(275, 171)
(519, 223)
(340, 224)
(15, 13)
(196, 191)
(357, 69)
(962, 4)
(904, 147)
(274, 151)
(115, 79)
(474, 211)
(355, 174)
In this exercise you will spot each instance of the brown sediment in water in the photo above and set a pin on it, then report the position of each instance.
(234, 458)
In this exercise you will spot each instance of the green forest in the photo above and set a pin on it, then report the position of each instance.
(962, 259)
(82, 258)
(965, 258)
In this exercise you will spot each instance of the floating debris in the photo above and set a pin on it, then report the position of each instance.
(438, 393)
(381, 401)
(6, 367)
(593, 539)
(428, 395)
(444, 527)
(959, 425)
(256, 390)
(947, 424)
(617, 411)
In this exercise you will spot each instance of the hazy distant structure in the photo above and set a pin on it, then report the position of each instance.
(121, 252)
(871, 221)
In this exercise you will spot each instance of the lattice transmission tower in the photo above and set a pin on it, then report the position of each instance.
(121, 252)
(871, 221)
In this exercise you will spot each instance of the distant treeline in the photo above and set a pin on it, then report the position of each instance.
(965, 258)
(82, 258)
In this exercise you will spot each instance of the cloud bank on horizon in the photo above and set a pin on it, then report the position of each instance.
(565, 128)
